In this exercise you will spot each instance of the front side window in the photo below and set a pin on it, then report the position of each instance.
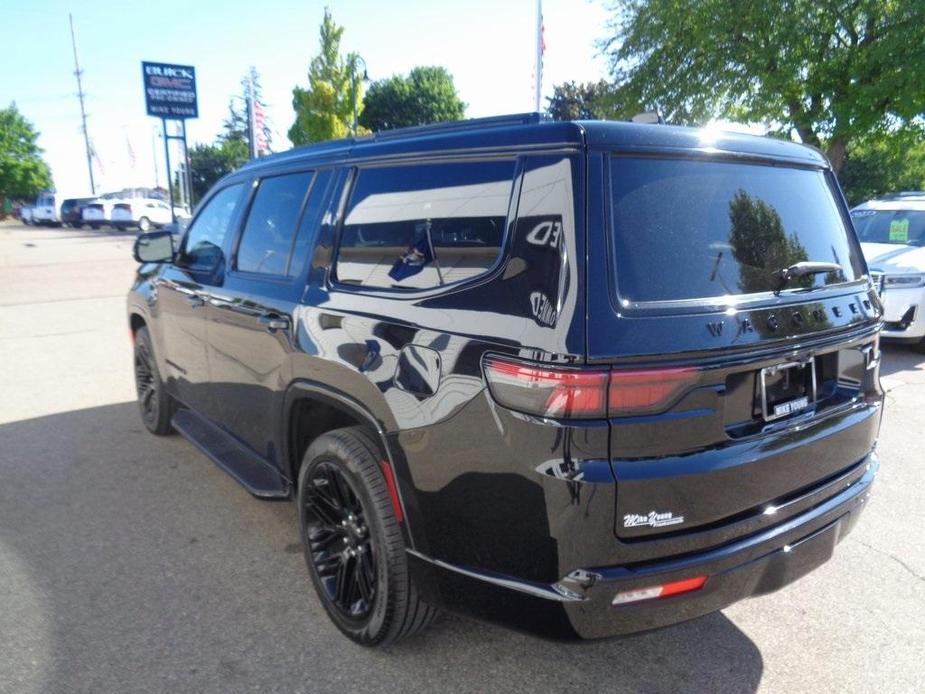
(202, 248)
(692, 229)
(425, 225)
(271, 224)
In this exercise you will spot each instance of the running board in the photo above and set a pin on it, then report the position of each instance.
(253, 472)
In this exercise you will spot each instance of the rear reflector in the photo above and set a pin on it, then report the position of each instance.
(664, 590)
(584, 393)
(393, 490)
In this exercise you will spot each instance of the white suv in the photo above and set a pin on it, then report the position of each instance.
(141, 212)
(892, 234)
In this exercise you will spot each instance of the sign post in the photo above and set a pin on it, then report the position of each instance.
(170, 94)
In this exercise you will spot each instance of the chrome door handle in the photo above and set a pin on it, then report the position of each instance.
(273, 322)
(195, 300)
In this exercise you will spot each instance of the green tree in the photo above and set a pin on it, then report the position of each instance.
(324, 111)
(208, 163)
(829, 70)
(23, 172)
(588, 101)
(884, 162)
(426, 95)
(760, 244)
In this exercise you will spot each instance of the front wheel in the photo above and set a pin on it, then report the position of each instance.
(154, 404)
(353, 542)
(144, 224)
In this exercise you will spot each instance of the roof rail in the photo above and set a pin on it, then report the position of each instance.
(469, 124)
(904, 194)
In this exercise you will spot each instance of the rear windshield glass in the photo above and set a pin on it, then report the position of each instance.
(687, 229)
(903, 227)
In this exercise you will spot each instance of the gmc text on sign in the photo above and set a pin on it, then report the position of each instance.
(170, 90)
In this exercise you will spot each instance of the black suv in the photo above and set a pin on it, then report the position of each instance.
(72, 211)
(582, 378)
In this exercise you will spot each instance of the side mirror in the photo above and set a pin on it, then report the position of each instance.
(154, 247)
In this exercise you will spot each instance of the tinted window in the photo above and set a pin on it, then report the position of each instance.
(694, 229)
(271, 224)
(305, 239)
(202, 248)
(424, 225)
(905, 227)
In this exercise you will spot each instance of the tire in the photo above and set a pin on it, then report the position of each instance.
(154, 404)
(345, 507)
(94, 226)
(144, 224)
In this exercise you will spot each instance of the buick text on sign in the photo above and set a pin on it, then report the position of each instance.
(170, 90)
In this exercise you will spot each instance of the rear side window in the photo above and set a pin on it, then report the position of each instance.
(202, 248)
(687, 229)
(425, 225)
(271, 224)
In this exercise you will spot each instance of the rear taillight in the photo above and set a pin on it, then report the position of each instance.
(592, 393)
(647, 390)
(548, 392)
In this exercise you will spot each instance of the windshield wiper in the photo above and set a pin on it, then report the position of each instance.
(784, 275)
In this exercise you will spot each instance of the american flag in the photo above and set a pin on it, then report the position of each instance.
(260, 122)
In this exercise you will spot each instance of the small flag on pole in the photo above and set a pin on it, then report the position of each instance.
(131, 151)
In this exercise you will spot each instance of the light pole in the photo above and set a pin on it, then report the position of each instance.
(353, 84)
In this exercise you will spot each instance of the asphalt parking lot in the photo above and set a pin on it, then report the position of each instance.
(130, 563)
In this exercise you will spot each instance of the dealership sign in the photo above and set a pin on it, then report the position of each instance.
(170, 90)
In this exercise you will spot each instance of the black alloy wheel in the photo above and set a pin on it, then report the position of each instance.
(339, 541)
(154, 404)
(353, 541)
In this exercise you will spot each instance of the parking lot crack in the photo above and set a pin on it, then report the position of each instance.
(893, 557)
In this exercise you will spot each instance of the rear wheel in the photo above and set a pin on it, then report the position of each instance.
(353, 542)
(144, 224)
(154, 404)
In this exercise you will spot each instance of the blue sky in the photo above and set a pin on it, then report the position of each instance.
(487, 46)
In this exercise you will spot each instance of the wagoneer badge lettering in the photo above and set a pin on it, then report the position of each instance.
(653, 519)
(797, 318)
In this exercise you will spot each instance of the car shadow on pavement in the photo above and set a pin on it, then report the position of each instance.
(131, 563)
(898, 358)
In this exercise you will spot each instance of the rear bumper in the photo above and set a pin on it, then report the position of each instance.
(580, 605)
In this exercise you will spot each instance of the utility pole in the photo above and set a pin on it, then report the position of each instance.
(540, 50)
(83, 112)
(157, 178)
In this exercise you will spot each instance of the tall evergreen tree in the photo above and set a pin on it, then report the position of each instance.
(324, 110)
